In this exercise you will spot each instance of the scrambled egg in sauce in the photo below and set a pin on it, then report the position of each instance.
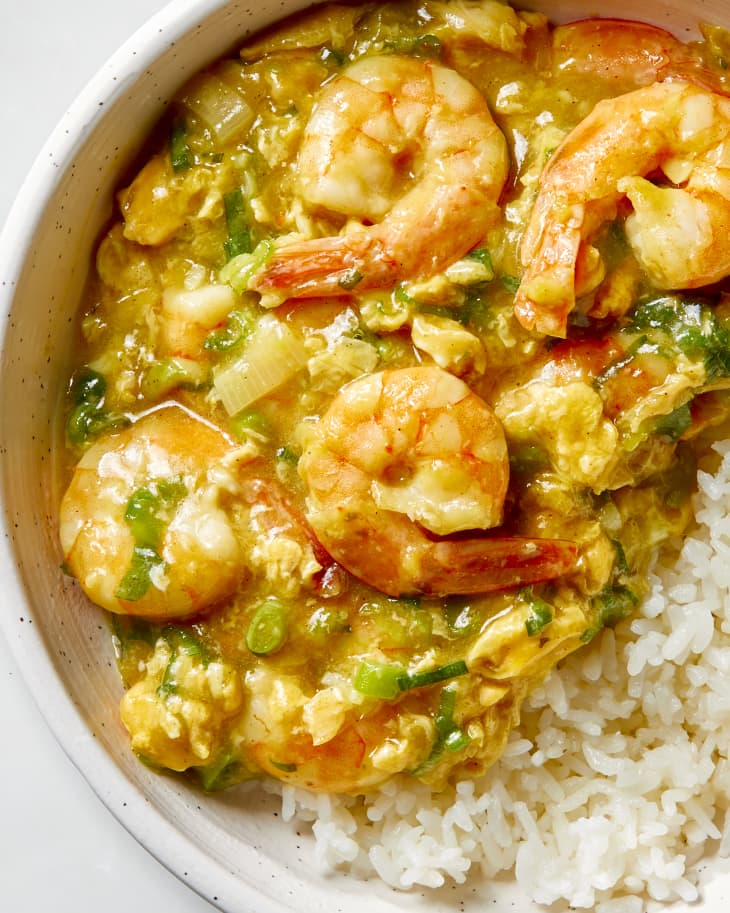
(347, 488)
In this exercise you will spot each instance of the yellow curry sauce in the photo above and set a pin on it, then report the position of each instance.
(257, 409)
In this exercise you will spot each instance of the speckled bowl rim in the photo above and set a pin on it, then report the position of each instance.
(126, 802)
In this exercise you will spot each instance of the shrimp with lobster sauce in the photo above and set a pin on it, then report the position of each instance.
(346, 499)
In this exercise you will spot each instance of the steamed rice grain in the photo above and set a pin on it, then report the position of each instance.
(617, 780)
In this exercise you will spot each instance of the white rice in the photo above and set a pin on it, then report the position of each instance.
(615, 799)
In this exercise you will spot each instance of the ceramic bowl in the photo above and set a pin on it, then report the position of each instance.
(233, 849)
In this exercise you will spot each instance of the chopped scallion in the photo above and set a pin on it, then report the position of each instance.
(456, 740)
(129, 628)
(225, 771)
(285, 455)
(268, 628)
(378, 680)
(418, 46)
(238, 271)
(331, 57)
(463, 617)
(168, 685)
(528, 459)
(448, 734)
(351, 279)
(239, 232)
(142, 519)
(180, 641)
(614, 603)
(250, 421)
(181, 156)
(674, 425)
(238, 328)
(145, 506)
(88, 417)
(611, 605)
(283, 765)
(88, 387)
(144, 515)
(402, 296)
(539, 617)
(136, 581)
(481, 255)
(445, 715)
(409, 680)
(166, 375)
(183, 641)
(622, 565)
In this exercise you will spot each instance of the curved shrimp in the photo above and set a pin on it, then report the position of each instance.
(380, 121)
(403, 457)
(372, 749)
(326, 743)
(678, 233)
(624, 51)
(342, 764)
(144, 524)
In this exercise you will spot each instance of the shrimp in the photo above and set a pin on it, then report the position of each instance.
(403, 457)
(324, 741)
(272, 513)
(678, 233)
(342, 764)
(623, 51)
(372, 749)
(382, 120)
(145, 525)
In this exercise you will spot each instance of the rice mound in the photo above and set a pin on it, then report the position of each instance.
(618, 776)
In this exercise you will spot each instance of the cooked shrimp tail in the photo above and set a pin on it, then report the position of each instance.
(329, 266)
(628, 53)
(483, 565)
(678, 233)
(409, 149)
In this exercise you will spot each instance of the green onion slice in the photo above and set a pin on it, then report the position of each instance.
(136, 581)
(481, 255)
(448, 734)
(239, 232)
(267, 630)
(541, 614)
(181, 157)
(250, 421)
(456, 740)
(351, 279)
(283, 765)
(409, 680)
(378, 680)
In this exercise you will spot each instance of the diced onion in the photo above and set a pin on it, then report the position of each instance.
(273, 355)
(222, 108)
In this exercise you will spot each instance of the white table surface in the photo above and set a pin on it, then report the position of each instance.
(61, 851)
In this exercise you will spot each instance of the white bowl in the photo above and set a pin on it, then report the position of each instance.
(232, 849)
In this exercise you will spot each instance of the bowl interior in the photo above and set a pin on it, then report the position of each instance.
(232, 848)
